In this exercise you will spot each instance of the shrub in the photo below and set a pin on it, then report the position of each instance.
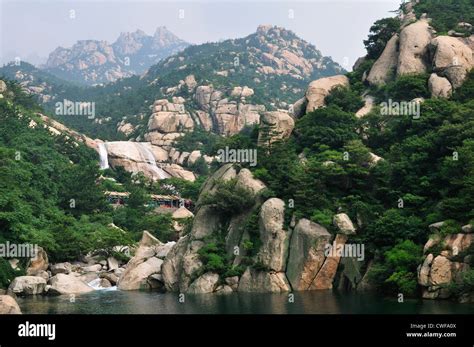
(347, 99)
(229, 198)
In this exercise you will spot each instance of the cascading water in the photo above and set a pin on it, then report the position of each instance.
(151, 160)
(104, 159)
(95, 284)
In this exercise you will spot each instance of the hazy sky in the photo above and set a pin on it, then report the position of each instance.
(31, 29)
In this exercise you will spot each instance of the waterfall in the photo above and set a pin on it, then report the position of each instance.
(104, 160)
(95, 284)
(151, 160)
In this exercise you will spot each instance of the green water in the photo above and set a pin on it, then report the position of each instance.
(314, 302)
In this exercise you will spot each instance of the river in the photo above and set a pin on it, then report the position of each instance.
(314, 302)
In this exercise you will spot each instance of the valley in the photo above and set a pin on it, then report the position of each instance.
(230, 168)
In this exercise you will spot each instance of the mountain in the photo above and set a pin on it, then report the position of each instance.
(266, 70)
(94, 62)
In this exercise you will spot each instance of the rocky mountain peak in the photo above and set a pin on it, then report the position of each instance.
(94, 61)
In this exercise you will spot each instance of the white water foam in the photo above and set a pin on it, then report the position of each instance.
(104, 158)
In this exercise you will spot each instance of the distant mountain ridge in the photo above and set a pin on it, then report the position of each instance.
(94, 62)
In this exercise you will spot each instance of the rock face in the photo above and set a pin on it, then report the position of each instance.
(263, 282)
(413, 46)
(306, 253)
(143, 157)
(226, 114)
(438, 271)
(27, 285)
(147, 262)
(274, 126)
(68, 284)
(452, 58)
(287, 258)
(275, 239)
(385, 66)
(415, 51)
(439, 86)
(205, 284)
(8, 305)
(319, 89)
(325, 277)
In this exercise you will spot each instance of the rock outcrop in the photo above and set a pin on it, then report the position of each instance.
(28, 285)
(307, 247)
(274, 126)
(439, 86)
(442, 265)
(413, 47)
(263, 282)
(8, 305)
(67, 284)
(147, 262)
(385, 66)
(39, 263)
(320, 88)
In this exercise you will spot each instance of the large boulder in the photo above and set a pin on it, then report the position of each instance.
(385, 66)
(274, 126)
(172, 264)
(320, 88)
(60, 268)
(325, 277)
(440, 271)
(344, 224)
(206, 283)
(143, 265)
(452, 57)
(68, 284)
(424, 271)
(275, 240)
(414, 48)
(307, 246)
(246, 180)
(39, 263)
(136, 275)
(27, 285)
(8, 305)
(263, 282)
(439, 86)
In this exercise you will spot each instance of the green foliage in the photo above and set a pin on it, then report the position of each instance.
(380, 32)
(7, 274)
(405, 88)
(215, 259)
(397, 272)
(229, 198)
(446, 14)
(394, 226)
(323, 217)
(329, 126)
(347, 99)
